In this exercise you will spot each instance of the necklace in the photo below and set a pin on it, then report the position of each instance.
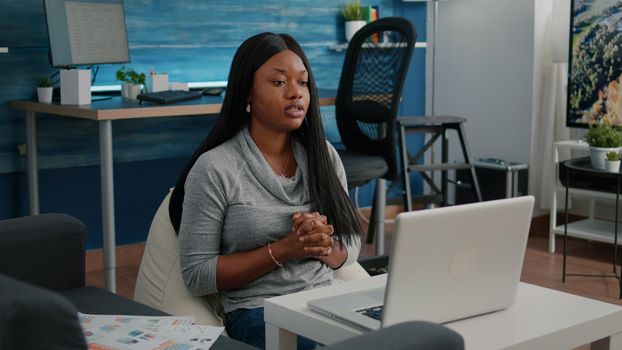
(282, 173)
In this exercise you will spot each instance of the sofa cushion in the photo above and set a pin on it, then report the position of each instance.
(351, 272)
(159, 282)
(35, 318)
(405, 336)
(57, 240)
(93, 300)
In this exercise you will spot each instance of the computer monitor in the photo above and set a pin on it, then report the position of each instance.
(86, 32)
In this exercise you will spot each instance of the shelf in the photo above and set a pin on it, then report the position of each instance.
(573, 144)
(591, 229)
(342, 46)
(4, 50)
(586, 193)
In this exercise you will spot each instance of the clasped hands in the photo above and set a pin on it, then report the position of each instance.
(313, 233)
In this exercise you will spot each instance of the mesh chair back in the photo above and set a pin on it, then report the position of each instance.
(370, 88)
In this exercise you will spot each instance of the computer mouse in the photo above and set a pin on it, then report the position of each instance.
(213, 91)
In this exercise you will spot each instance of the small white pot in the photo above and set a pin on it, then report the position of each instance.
(124, 90)
(44, 94)
(599, 154)
(353, 27)
(612, 166)
(133, 90)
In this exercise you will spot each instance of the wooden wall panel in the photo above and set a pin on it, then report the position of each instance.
(192, 40)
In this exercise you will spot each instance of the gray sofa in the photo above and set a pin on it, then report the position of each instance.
(42, 286)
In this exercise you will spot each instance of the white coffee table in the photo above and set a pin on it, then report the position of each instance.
(541, 318)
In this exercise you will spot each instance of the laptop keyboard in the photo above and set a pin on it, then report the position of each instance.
(374, 312)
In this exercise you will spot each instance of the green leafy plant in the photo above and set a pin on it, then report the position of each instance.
(613, 155)
(130, 76)
(44, 82)
(352, 11)
(603, 135)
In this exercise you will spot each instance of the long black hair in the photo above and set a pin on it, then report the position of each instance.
(327, 194)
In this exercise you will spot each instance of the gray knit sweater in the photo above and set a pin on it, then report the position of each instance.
(234, 202)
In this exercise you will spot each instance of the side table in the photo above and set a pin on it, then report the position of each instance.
(583, 167)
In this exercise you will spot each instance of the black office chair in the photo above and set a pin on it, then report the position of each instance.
(370, 90)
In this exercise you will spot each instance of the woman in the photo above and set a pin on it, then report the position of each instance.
(262, 209)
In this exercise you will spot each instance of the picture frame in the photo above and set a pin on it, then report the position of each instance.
(595, 63)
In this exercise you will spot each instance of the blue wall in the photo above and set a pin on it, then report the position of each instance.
(191, 40)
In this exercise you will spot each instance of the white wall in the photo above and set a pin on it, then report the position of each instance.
(484, 72)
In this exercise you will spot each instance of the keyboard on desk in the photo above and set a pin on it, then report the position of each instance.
(170, 96)
(374, 312)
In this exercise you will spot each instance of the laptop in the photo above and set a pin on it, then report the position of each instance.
(445, 264)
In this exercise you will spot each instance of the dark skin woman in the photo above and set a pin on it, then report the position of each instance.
(261, 209)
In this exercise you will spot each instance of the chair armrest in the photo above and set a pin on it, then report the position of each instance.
(36, 318)
(404, 336)
(46, 250)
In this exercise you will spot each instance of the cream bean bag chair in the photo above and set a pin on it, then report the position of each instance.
(159, 283)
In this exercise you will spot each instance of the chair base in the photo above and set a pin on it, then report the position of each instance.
(375, 228)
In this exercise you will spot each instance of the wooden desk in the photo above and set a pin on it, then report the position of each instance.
(541, 318)
(104, 112)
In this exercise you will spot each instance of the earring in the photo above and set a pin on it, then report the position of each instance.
(248, 108)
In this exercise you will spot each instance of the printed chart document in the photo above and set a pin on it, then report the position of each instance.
(119, 332)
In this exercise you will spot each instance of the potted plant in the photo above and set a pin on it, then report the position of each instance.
(44, 90)
(602, 138)
(353, 17)
(132, 82)
(612, 162)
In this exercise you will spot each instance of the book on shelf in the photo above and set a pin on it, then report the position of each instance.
(370, 14)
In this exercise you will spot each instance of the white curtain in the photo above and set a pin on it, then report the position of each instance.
(550, 127)
(549, 122)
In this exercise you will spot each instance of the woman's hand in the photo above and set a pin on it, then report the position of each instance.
(309, 237)
(314, 232)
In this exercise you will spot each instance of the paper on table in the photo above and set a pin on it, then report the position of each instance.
(191, 337)
(110, 332)
(152, 323)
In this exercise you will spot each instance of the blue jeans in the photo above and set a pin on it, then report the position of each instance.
(247, 325)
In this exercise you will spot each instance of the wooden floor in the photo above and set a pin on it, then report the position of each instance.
(540, 267)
